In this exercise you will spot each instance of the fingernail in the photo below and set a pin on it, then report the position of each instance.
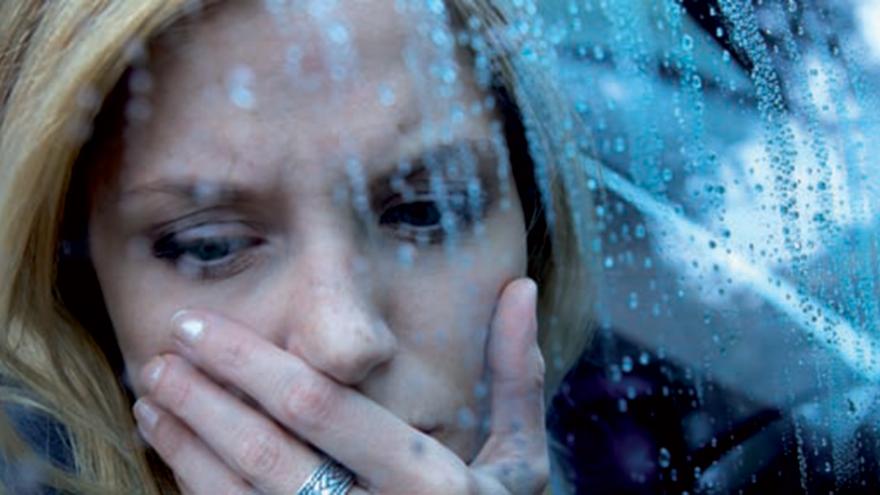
(532, 291)
(153, 371)
(147, 416)
(188, 328)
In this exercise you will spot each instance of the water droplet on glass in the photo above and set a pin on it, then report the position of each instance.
(387, 97)
(239, 89)
(406, 254)
(138, 109)
(687, 43)
(338, 33)
(664, 458)
(633, 301)
(140, 82)
(466, 418)
(640, 231)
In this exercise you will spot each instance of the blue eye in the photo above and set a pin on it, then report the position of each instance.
(205, 255)
(206, 250)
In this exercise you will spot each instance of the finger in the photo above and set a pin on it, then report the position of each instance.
(384, 451)
(194, 464)
(247, 441)
(516, 451)
(515, 362)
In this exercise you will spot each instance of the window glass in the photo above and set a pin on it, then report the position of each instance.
(736, 349)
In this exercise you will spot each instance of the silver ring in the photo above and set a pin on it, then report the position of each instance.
(330, 478)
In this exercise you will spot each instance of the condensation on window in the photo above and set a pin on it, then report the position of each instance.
(737, 342)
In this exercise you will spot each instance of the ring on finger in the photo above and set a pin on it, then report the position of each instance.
(329, 478)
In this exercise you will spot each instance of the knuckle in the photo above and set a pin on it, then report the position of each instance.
(537, 380)
(540, 469)
(465, 483)
(531, 475)
(168, 441)
(537, 372)
(531, 382)
(175, 391)
(452, 481)
(540, 363)
(309, 402)
(235, 353)
(259, 454)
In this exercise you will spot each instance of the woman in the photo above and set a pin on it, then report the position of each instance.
(308, 243)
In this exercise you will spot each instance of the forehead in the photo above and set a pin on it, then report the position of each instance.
(298, 88)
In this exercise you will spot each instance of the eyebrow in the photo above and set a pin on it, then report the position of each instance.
(197, 191)
(419, 167)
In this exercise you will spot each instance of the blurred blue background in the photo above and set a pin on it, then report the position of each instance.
(736, 186)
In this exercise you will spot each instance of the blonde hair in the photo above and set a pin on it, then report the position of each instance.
(58, 60)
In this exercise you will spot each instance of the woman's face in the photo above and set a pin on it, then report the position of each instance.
(287, 173)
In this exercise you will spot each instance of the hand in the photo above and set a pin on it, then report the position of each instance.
(217, 443)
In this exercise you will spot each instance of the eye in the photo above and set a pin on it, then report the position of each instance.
(427, 218)
(416, 214)
(207, 251)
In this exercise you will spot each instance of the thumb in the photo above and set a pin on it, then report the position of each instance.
(517, 434)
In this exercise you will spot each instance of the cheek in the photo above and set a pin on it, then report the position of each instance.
(141, 328)
(138, 297)
(456, 292)
(442, 310)
(141, 323)
(442, 318)
(129, 301)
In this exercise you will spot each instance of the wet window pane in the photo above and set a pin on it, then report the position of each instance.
(736, 342)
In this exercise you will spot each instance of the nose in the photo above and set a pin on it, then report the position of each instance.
(333, 322)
